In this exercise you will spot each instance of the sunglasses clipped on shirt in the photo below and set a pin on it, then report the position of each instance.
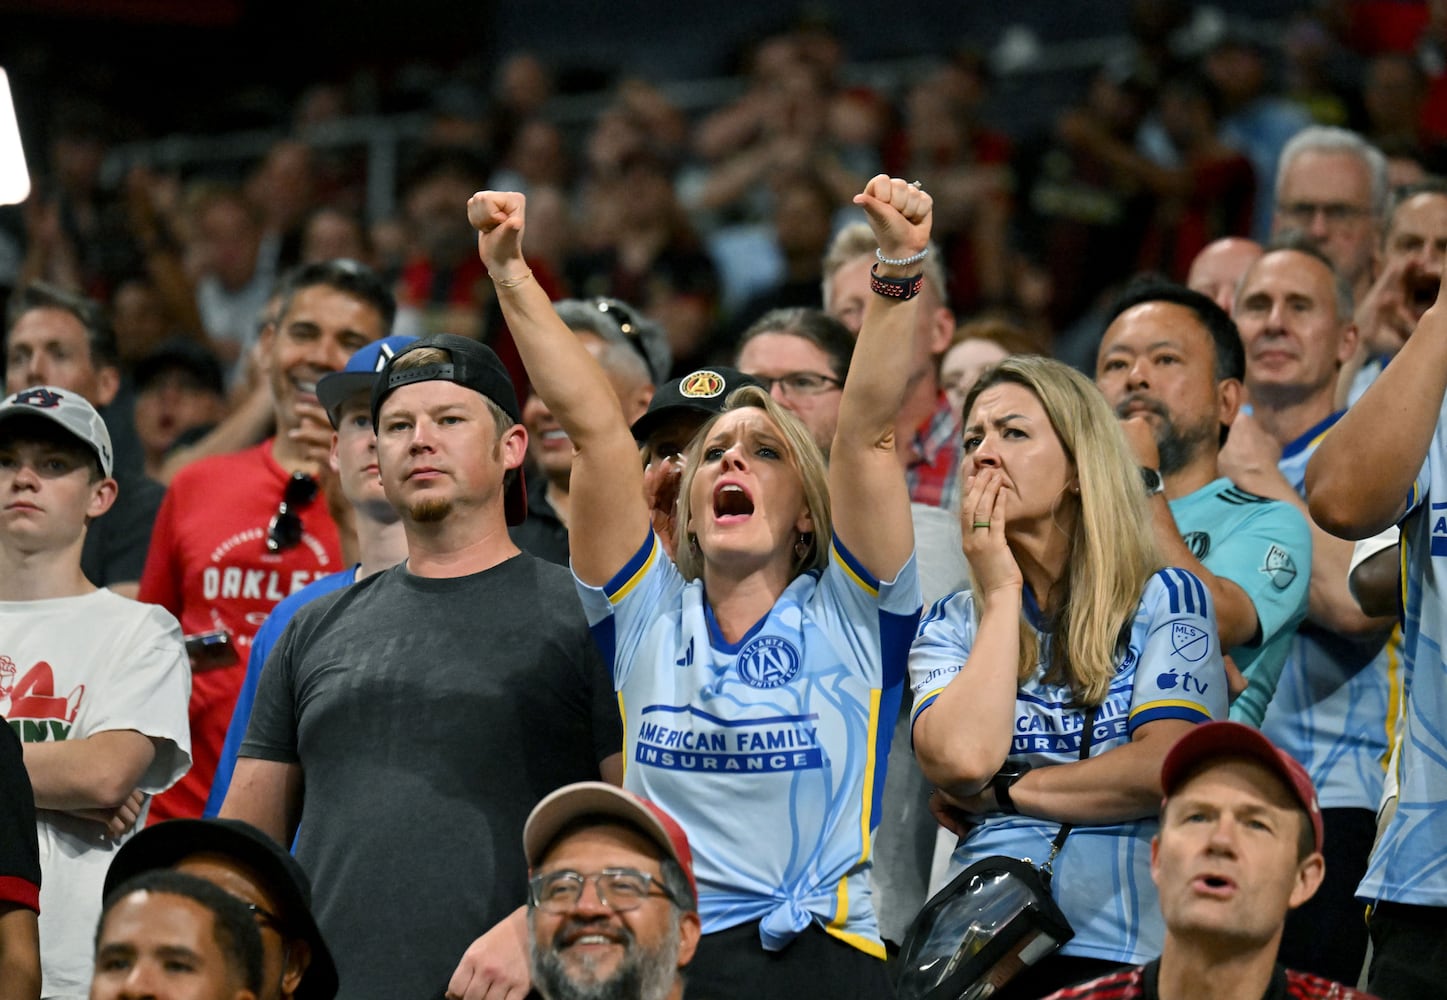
(284, 531)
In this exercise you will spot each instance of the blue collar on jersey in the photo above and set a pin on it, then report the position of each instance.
(1309, 438)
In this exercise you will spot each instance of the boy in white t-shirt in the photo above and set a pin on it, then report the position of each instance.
(95, 685)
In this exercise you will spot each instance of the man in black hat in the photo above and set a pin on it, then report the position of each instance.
(237, 857)
(427, 708)
(168, 936)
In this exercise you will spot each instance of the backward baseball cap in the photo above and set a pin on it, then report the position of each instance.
(469, 364)
(68, 409)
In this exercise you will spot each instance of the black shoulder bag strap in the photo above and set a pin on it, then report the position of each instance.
(1087, 736)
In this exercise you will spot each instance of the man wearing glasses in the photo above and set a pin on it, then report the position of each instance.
(1332, 188)
(801, 356)
(612, 904)
(238, 532)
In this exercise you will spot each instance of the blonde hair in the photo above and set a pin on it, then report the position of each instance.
(803, 454)
(1112, 550)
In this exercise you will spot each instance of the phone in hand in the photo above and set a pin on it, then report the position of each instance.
(211, 650)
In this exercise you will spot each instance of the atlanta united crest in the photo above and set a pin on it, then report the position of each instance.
(702, 384)
(768, 662)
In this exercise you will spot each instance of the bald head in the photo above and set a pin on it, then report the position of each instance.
(1218, 268)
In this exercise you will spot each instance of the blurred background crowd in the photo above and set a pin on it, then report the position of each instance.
(693, 164)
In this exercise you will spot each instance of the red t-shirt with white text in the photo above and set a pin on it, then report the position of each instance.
(208, 566)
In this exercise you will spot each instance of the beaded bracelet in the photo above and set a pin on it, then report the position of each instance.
(903, 261)
(895, 288)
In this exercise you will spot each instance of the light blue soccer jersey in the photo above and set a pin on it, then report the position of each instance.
(770, 751)
(1409, 862)
(1171, 669)
(1264, 547)
(1330, 708)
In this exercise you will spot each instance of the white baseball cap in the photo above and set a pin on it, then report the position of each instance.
(68, 409)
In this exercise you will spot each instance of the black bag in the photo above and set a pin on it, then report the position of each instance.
(980, 931)
(992, 921)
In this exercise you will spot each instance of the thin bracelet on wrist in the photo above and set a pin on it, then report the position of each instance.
(903, 261)
(513, 282)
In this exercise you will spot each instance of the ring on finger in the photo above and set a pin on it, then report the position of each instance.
(982, 524)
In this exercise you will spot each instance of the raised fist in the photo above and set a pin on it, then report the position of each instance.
(499, 218)
(899, 213)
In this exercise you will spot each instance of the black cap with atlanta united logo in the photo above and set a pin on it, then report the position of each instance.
(705, 391)
(68, 409)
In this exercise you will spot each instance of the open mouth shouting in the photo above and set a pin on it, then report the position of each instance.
(1213, 885)
(1422, 288)
(732, 503)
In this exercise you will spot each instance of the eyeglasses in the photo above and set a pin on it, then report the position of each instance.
(619, 889)
(1336, 213)
(631, 326)
(284, 531)
(800, 383)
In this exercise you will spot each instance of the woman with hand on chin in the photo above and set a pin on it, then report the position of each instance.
(1071, 618)
(759, 677)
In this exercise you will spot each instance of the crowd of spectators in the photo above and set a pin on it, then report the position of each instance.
(249, 340)
(1171, 143)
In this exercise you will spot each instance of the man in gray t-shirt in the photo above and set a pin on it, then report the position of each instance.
(420, 714)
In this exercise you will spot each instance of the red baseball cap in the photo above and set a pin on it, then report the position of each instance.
(600, 799)
(1211, 740)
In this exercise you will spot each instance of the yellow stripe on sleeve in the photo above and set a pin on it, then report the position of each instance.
(859, 581)
(1154, 705)
(617, 596)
